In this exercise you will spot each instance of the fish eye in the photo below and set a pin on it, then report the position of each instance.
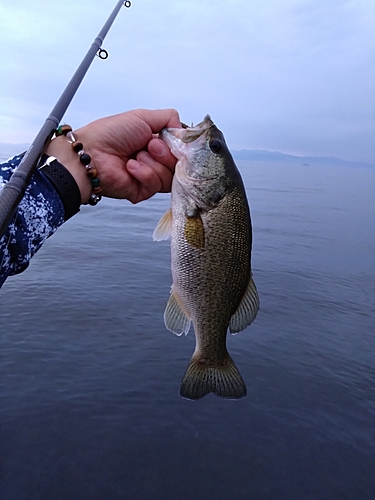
(216, 145)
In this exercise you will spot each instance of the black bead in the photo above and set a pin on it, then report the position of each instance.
(85, 159)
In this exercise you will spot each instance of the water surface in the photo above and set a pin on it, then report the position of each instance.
(90, 376)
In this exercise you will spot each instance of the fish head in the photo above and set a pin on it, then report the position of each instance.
(205, 166)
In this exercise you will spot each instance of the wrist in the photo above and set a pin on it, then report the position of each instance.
(63, 182)
(62, 150)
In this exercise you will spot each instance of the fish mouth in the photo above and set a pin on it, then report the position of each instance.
(181, 139)
(192, 133)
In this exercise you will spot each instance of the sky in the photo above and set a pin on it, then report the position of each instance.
(296, 76)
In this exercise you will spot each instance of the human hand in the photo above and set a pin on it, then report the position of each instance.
(131, 161)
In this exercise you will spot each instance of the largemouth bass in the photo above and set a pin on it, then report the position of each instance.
(211, 237)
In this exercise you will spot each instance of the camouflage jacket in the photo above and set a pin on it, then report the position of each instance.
(39, 214)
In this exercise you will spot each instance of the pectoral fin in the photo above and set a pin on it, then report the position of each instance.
(247, 310)
(163, 228)
(175, 318)
(194, 230)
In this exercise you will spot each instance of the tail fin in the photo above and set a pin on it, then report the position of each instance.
(201, 378)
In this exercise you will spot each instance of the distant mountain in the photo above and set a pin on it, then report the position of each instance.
(8, 150)
(311, 161)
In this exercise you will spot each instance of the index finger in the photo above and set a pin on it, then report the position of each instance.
(159, 118)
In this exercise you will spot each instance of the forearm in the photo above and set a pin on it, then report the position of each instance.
(51, 197)
(126, 160)
(39, 214)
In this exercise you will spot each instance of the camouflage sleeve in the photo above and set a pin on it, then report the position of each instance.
(39, 214)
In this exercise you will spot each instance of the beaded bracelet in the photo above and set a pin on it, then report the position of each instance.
(85, 159)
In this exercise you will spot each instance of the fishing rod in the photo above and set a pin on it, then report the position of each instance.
(13, 191)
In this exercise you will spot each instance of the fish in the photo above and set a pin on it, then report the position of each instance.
(211, 240)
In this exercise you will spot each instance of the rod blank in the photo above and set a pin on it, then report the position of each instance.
(13, 191)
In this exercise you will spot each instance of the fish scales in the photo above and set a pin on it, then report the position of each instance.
(211, 240)
(211, 281)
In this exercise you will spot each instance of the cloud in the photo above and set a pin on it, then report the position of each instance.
(296, 75)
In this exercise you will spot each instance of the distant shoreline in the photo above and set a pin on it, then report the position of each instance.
(7, 150)
(307, 161)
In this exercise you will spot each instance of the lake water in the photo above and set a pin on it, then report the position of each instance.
(90, 376)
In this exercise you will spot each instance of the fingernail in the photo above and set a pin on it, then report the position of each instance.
(145, 158)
